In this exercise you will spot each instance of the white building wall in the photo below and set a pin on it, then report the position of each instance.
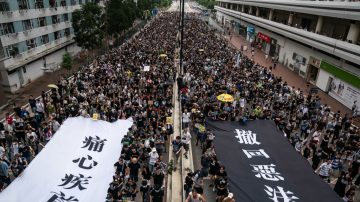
(322, 80)
(34, 69)
(54, 59)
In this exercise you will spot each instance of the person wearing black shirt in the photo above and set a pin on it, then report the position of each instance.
(157, 194)
(133, 153)
(120, 166)
(221, 190)
(214, 168)
(145, 189)
(188, 183)
(19, 131)
(158, 177)
(131, 188)
(32, 103)
(134, 169)
(17, 110)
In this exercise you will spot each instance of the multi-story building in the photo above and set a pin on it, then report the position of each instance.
(319, 40)
(34, 34)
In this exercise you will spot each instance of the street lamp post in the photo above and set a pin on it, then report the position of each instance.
(182, 35)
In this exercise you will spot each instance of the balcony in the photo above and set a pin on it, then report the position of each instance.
(11, 16)
(347, 51)
(32, 33)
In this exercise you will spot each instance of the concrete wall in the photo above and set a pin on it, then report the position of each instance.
(34, 71)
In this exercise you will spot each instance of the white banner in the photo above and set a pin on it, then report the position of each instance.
(344, 93)
(76, 165)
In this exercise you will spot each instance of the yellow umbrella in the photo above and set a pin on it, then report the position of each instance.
(225, 97)
(53, 86)
(163, 55)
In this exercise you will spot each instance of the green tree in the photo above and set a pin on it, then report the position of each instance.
(120, 16)
(207, 3)
(144, 5)
(67, 61)
(88, 25)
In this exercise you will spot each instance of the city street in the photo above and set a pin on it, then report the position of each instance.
(172, 117)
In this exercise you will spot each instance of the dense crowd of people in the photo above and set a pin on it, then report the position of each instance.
(130, 81)
(330, 142)
(118, 86)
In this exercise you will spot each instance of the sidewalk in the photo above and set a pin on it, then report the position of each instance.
(20, 98)
(290, 77)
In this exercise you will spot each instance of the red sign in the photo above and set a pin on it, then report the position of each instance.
(264, 37)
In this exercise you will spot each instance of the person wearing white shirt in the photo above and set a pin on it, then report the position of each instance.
(154, 156)
(186, 140)
(186, 119)
(2, 152)
(324, 170)
(55, 125)
(14, 149)
(40, 109)
(39, 106)
(316, 136)
(242, 102)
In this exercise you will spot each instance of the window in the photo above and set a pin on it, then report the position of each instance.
(57, 35)
(31, 43)
(7, 28)
(66, 17)
(12, 50)
(27, 24)
(52, 3)
(73, 2)
(23, 4)
(63, 3)
(39, 4)
(67, 32)
(80, 1)
(44, 39)
(42, 21)
(4, 6)
(55, 19)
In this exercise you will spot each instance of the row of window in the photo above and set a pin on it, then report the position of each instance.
(9, 28)
(15, 49)
(37, 4)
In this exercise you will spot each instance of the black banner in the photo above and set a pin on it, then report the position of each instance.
(263, 166)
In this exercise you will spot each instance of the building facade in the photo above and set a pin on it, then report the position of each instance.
(319, 40)
(34, 35)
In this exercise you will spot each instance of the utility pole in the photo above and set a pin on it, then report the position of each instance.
(182, 35)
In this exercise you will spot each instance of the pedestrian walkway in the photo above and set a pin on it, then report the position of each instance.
(289, 76)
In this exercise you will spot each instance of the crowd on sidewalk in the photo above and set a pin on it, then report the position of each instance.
(330, 142)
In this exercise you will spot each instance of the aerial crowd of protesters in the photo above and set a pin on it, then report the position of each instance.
(118, 86)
